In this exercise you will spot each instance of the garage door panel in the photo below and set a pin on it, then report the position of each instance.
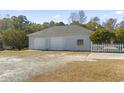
(56, 43)
(40, 43)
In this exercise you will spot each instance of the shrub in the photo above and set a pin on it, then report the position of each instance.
(101, 35)
(15, 38)
(119, 36)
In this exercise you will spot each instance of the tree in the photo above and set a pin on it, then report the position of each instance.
(52, 23)
(60, 24)
(4, 23)
(15, 38)
(1, 41)
(101, 35)
(45, 24)
(33, 27)
(120, 25)
(73, 17)
(110, 24)
(82, 17)
(77, 17)
(119, 33)
(93, 24)
(75, 23)
(20, 22)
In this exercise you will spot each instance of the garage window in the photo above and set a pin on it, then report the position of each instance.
(80, 42)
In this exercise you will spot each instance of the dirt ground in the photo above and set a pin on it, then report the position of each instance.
(21, 65)
(31, 65)
(98, 71)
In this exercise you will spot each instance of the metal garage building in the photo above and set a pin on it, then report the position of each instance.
(71, 37)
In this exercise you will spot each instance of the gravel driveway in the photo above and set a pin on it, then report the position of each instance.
(20, 69)
(118, 56)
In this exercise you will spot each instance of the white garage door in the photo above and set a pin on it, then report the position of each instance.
(39, 43)
(56, 43)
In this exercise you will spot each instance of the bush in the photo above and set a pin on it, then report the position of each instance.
(101, 35)
(119, 36)
(15, 38)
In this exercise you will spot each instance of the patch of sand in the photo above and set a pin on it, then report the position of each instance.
(10, 59)
(106, 56)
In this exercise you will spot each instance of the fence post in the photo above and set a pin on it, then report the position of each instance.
(98, 47)
(91, 46)
(102, 47)
(122, 47)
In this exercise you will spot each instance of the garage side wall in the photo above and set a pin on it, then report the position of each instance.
(71, 43)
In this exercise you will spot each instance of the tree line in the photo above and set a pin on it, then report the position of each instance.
(109, 31)
(14, 29)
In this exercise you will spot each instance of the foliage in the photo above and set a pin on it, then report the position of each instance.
(20, 22)
(60, 24)
(15, 38)
(75, 23)
(33, 27)
(101, 36)
(119, 36)
(93, 24)
(77, 17)
(82, 17)
(1, 42)
(4, 24)
(110, 24)
(120, 25)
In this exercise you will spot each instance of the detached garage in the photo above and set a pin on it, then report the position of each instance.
(70, 37)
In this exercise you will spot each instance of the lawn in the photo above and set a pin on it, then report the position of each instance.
(99, 71)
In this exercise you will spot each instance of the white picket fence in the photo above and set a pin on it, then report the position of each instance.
(107, 47)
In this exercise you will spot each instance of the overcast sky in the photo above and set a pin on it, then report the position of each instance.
(40, 16)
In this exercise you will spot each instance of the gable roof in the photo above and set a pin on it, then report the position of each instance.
(61, 31)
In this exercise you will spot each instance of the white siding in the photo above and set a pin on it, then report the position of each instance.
(56, 43)
(71, 43)
(31, 43)
(40, 43)
(60, 43)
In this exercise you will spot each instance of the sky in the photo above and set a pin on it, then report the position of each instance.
(40, 16)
